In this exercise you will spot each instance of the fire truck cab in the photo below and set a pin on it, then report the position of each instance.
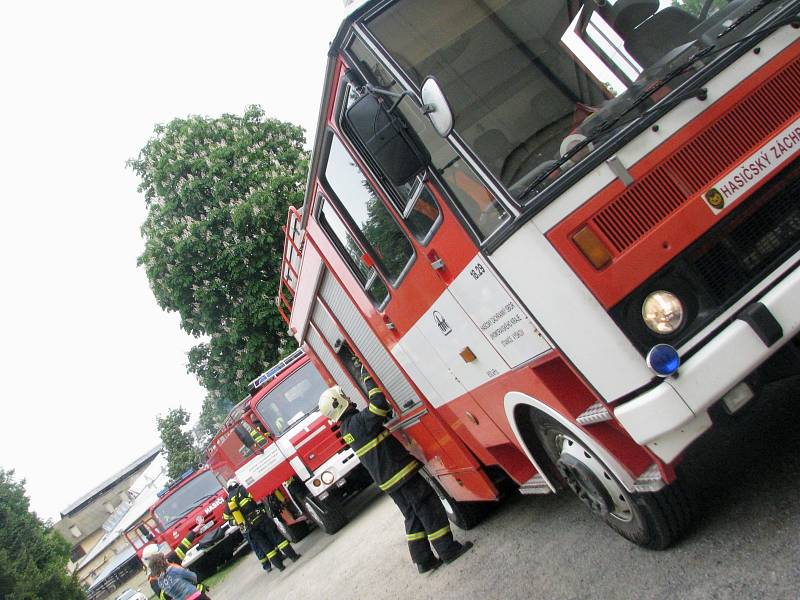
(560, 233)
(187, 520)
(278, 445)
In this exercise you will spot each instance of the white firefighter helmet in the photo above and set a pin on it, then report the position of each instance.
(148, 551)
(333, 402)
(231, 483)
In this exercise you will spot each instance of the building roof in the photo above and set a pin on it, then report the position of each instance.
(111, 482)
(138, 508)
(120, 559)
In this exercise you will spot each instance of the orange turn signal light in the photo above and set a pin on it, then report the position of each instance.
(468, 355)
(592, 248)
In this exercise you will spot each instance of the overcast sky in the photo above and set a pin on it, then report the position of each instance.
(87, 358)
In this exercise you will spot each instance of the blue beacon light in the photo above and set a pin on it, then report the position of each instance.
(663, 360)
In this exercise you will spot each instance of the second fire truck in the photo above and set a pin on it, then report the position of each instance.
(278, 445)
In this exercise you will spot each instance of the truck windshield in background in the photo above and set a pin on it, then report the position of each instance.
(186, 498)
(525, 80)
(291, 399)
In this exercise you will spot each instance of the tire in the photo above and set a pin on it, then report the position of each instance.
(329, 516)
(652, 520)
(464, 515)
(293, 533)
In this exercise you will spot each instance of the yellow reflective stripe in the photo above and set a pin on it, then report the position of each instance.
(272, 554)
(413, 537)
(265, 559)
(181, 554)
(366, 378)
(409, 468)
(377, 411)
(439, 533)
(280, 496)
(371, 444)
(374, 392)
(348, 438)
(283, 544)
(186, 543)
(244, 501)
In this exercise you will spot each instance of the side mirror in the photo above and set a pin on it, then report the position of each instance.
(435, 105)
(244, 437)
(386, 138)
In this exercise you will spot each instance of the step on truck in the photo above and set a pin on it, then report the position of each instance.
(186, 522)
(280, 447)
(563, 235)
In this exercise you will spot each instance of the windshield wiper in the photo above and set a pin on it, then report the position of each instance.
(743, 17)
(605, 127)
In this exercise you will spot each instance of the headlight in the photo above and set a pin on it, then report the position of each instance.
(327, 478)
(663, 312)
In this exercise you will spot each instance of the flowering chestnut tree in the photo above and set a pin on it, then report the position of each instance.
(217, 191)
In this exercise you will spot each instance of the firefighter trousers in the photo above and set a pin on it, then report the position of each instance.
(268, 543)
(426, 521)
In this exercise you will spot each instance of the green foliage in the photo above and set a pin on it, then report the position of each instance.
(217, 192)
(182, 451)
(33, 556)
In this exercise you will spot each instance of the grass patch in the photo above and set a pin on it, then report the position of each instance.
(220, 575)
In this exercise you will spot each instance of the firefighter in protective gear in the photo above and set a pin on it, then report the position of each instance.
(257, 527)
(396, 472)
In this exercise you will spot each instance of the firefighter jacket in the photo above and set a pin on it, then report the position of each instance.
(241, 509)
(389, 463)
(183, 547)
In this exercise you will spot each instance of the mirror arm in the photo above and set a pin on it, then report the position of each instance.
(398, 96)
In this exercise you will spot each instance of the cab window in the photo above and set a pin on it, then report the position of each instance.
(362, 206)
(351, 252)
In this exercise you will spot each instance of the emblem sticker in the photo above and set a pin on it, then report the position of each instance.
(714, 198)
(442, 323)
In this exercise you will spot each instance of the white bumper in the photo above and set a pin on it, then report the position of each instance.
(670, 416)
(339, 465)
(194, 553)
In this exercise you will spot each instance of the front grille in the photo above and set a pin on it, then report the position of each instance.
(725, 263)
(692, 168)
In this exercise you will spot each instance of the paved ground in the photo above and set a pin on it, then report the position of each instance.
(746, 544)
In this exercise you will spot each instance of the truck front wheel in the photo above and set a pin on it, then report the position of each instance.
(329, 515)
(652, 520)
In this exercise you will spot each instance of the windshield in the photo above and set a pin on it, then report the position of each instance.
(186, 498)
(291, 399)
(526, 78)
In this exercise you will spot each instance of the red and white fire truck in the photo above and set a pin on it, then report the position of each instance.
(562, 234)
(279, 446)
(187, 519)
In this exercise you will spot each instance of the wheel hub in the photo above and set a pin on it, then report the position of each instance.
(585, 484)
(590, 480)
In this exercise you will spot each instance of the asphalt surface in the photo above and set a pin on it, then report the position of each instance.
(746, 543)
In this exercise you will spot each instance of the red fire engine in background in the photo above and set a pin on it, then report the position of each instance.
(561, 234)
(278, 445)
(187, 519)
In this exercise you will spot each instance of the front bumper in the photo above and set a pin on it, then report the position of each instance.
(339, 465)
(670, 416)
(196, 552)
